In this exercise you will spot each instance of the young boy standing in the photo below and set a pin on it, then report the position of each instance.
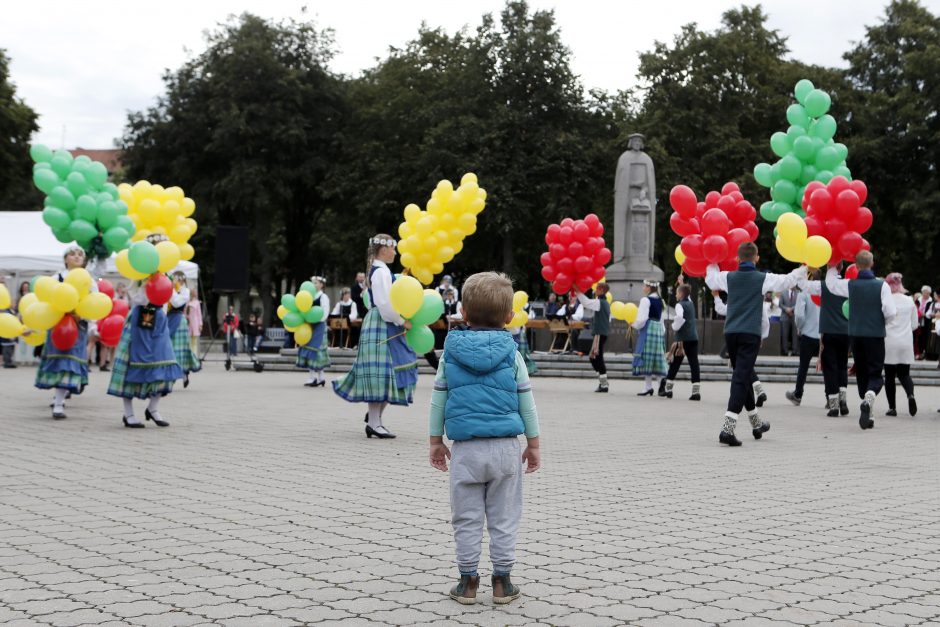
(687, 337)
(483, 400)
(745, 287)
(834, 337)
(600, 327)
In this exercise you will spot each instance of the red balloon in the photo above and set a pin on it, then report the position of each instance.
(581, 231)
(583, 264)
(602, 257)
(691, 246)
(729, 187)
(711, 200)
(594, 223)
(584, 283)
(105, 287)
(752, 231)
(548, 273)
(119, 307)
(562, 283)
(565, 266)
(729, 265)
(715, 248)
(726, 204)
(863, 220)
(821, 203)
(65, 333)
(599, 273)
(817, 300)
(851, 272)
(850, 243)
(834, 230)
(558, 251)
(567, 222)
(159, 289)
(837, 185)
(110, 329)
(683, 200)
(847, 205)
(860, 189)
(738, 196)
(866, 245)
(546, 259)
(740, 213)
(593, 245)
(566, 234)
(575, 249)
(700, 210)
(735, 238)
(715, 222)
(551, 235)
(682, 227)
(808, 192)
(814, 226)
(694, 267)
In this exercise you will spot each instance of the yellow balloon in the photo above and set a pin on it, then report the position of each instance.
(303, 334)
(81, 280)
(816, 251)
(406, 296)
(519, 319)
(791, 251)
(193, 226)
(34, 338)
(10, 326)
(404, 231)
(168, 212)
(408, 260)
(304, 301)
(94, 306)
(445, 253)
(141, 235)
(4, 297)
(617, 310)
(425, 276)
(187, 207)
(179, 234)
(630, 311)
(791, 227)
(175, 193)
(149, 212)
(412, 213)
(187, 251)
(41, 316)
(64, 298)
(169, 256)
(425, 226)
(44, 288)
(124, 267)
(26, 301)
(282, 311)
(680, 256)
(519, 300)
(469, 177)
(610, 297)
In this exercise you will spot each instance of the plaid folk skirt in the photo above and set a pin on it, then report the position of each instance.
(67, 370)
(649, 356)
(314, 355)
(153, 378)
(182, 347)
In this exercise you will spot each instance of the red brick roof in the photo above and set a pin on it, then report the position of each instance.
(111, 157)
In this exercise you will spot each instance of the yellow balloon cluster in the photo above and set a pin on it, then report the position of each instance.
(168, 211)
(50, 300)
(794, 245)
(431, 238)
(624, 311)
(519, 316)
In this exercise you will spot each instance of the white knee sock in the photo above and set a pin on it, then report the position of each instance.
(129, 411)
(375, 415)
(58, 401)
(313, 376)
(319, 375)
(649, 382)
(153, 406)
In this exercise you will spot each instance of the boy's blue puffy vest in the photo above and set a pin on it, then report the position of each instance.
(482, 399)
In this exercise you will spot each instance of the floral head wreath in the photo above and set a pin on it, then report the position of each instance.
(381, 241)
(74, 248)
(649, 283)
(318, 279)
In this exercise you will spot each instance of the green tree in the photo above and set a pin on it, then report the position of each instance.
(896, 145)
(17, 124)
(247, 128)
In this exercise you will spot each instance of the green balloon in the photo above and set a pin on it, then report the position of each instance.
(802, 89)
(824, 128)
(795, 131)
(122, 207)
(46, 180)
(97, 174)
(808, 174)
(780, 144)
(62, 198)
(845, 309)
(767, 211)
(803, 149)
(83, 160)
(112, 190)
(824, 176)
(308, 286)
(86, 208)
(64, 154)
(76, 184)
(83, 231)
(32, 281)
(790, 168)
(126, 223)
(40, 153)
(116, 239)
(313, 315)
(783, 191)
(61, 166)
(775, 173)
(290, 303)
(107, 215)
(56, 218)
(842, 170)
(420, 339)
(817, 103)
(796, 115)
(432, 308)
(841, 150)
(781, 208)
(293, 319)
(144, 257)
(762, 174)
(827, 158)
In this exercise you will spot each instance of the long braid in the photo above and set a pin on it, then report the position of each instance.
(373, 251)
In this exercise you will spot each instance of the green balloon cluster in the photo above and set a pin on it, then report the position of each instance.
(81, 205)
(807, 153)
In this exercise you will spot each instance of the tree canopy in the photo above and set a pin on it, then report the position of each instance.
(17, 124)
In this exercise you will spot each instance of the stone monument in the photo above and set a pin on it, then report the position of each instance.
(634, 223)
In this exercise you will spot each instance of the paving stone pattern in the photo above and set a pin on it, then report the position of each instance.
(264, 504)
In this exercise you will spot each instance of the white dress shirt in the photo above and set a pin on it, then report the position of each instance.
(678, 319)
(381, 290)
(180, 298)
(353, 311)
(840, 287)
(717, 279)
(324, 303)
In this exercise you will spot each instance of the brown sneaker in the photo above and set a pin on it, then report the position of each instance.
(504, 590)
(465, 592)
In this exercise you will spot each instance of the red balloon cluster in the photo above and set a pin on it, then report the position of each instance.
(106, 287)
(712, 230)
(835, 211)
(65, 333)
(159, 289)
(576, 254)
(110, 328)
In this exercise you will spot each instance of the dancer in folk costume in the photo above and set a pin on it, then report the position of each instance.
(834, 341)
(179, 328)
(686, 345)
(600, 328)
(649, 355)
(386, 369)
(806, 316)
(745, 287)
(194, 320)
(65, 371)
(721, 308)
(314, 355)
(145, 364)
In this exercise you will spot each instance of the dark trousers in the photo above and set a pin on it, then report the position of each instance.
(903, 373)
(598, 362)
(835, 362)
(787, 334)
(8, 350)
(809, 347)
(432, 359)
(742, 349)
(691, 351)
(869, 353)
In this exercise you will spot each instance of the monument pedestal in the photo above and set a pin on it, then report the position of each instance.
(626, 278)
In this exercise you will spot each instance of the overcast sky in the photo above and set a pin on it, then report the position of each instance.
(83, 65)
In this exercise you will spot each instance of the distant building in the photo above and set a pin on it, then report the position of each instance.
(111, 157)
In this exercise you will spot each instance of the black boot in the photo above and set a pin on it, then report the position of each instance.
(728, 438)
(662, 388)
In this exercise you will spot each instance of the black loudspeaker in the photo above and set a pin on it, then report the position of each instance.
(231, 259)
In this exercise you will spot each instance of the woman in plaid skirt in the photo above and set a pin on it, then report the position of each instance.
(386, 369)
(314, 355)
(65, 371)
(649, 356)
(179, 328)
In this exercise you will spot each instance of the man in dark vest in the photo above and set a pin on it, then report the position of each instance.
(746, 287)
(870, 307)
(686, 344)
(834, 337)
(600, 328)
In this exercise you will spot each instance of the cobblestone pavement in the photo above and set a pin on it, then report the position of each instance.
(264, 504)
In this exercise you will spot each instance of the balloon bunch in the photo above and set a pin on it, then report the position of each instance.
(419, 306)
(80, 204)
(807, 153)
(576, 254)
(519, 316)
(144, 260)
(431, 238)
(624, 311)
(795, 244)
(712, 230)
(111, 326)
(157, 210)
(298, 312)
(835, 212)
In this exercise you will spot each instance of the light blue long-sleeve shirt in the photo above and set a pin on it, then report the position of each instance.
(806, 314)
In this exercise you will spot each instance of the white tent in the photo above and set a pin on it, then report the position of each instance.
(28, 248)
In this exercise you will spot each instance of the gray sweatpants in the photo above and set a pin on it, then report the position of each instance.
(486, 482)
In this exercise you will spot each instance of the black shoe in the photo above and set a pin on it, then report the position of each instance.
(729, 439)
(760, 431)
(9, 365)
(310, 384)
(911, 406)
(366, 417)
(662, 389)
(132, 425)
(322, 383)
(695, 397)
(465, 592)
(646, 393)
(833, 413)
(58, 415)
(160, 423)
(760, 400)
(383, 434)
(864, 419)
(843, 408)
(602, 389)
(104, 368)
(891, 412)
(793, 398)
(68, 395)
(185, 381)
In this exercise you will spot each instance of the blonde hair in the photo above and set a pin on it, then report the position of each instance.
(376, 243)
(864, 260)
(487, 299)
